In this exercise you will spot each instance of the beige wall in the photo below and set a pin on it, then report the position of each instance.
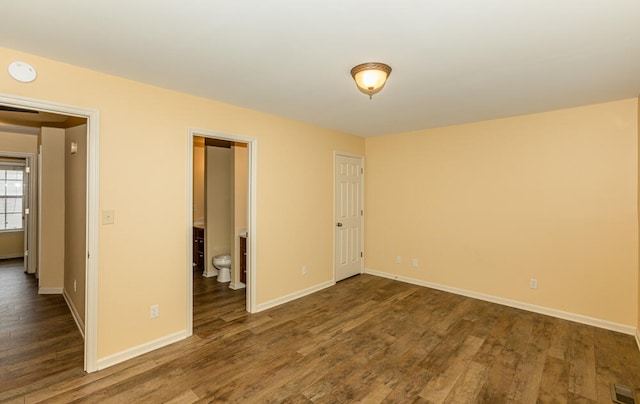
(485, 207)
(51, 268)
(75, 198)
(12, 243)
(218, 200)
(18, 143)
(239, 183)
(638, 130)
(198, 180)
(146, 244)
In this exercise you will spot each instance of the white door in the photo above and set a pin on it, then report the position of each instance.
(349, 216)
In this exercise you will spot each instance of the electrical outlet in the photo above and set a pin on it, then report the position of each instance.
(414, 262)
(398, 260)
(154, 311)
(108, 217)
(533, 283)
(75, 289)
(303, 271)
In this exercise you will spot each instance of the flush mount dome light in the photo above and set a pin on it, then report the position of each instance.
(370, 77)
(23, 72)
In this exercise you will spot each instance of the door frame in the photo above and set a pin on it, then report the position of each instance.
(91, 221)
(28, 223)
(252, 182)
(333, 218)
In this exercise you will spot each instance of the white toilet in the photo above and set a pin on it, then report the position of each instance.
(223, 263)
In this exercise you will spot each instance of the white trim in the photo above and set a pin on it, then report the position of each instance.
(25, 130)
(49, 291)
(252, 150)
(39, 214)
(237, 285)
(189, 231)
(210, 273)
(74, 312)
(362, 202)
(140, 350)
(578, 318)
(31, 220)
(252, 232)
(293, 296)
(638, 337)
(91, 279)
(9, 231)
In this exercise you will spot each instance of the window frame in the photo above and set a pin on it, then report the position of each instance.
(4, 167)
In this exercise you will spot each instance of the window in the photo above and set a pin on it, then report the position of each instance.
(11, 196)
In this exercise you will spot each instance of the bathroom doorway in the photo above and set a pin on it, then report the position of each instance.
(221, 181)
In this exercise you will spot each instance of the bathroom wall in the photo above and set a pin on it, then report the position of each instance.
(12, 243)
(198, 180)
(485, 207)
(218, 201)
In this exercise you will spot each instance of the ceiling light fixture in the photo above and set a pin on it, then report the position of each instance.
(21, 71)
(370, 77)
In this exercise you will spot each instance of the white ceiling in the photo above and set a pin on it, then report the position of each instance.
(454, 61)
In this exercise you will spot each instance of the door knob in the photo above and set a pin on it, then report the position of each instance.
(339, 224)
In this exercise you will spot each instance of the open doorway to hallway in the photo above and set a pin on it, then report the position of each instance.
(64, 139)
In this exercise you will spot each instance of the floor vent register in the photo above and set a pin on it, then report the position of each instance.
(622, 394)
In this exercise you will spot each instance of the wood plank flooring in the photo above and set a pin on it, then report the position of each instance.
(367, 339)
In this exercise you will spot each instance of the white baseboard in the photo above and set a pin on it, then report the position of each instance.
(140, 350)
(50, 291)
(210, 274)
(237, 285)
(578, 318)
(74, 312)
(293, 296)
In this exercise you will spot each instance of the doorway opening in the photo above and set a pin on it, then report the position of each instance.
(221, 223)
(87, 202)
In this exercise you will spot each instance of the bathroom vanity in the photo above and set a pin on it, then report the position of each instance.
(198, 248)
(243, 260)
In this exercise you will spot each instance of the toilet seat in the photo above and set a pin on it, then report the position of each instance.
(222, 258)
(223, 263)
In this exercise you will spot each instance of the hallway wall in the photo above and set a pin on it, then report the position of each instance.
(52, 220)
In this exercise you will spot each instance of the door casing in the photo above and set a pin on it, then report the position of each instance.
(252, 151)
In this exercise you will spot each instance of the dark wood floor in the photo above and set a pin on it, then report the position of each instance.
(366, 339)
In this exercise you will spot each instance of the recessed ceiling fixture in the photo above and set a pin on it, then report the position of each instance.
(22, 72)
(370, 77)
